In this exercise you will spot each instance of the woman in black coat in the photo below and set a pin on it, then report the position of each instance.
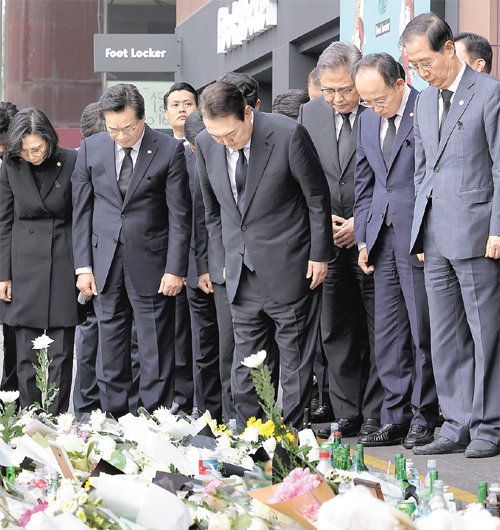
(37, 280)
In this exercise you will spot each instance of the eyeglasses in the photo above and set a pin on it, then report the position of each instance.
(341, 91)
(124, 130)
(424, 66)
(36, 151)
(379, 102)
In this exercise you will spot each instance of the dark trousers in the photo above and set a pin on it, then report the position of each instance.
(9, 375)
(184, 384)
(60, 370)
(464, 307)
(86, 390)
(347, 331)
(226, 349)
(154, 316)
(402, 336)
(205, 335)
(295, 326)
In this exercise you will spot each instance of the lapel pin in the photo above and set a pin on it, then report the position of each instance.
(412, 114)
(59, 164)
(461, 102)
(150, 152)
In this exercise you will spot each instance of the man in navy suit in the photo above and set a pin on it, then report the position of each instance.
(268, 215)
(385, 198)
(456, 225)
(131, 234)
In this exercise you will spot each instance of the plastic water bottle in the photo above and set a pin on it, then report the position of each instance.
(334, 427)
(412, 474)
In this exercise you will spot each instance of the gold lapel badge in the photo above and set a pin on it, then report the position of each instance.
(59, 164)
(412, 114)
(150, 152)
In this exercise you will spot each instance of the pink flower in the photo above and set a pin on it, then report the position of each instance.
(298, 482)
(212, 487)
(26, 516)
(310, 512)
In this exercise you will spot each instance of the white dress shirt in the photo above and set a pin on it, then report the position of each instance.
(453, 88)
(232, 156)
(339, 120)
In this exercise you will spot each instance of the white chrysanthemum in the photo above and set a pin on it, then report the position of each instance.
(202, 514)
(65, 422)
(223, 441)
(72, 443)
(130, 467)
(257, 524)
(162, 414)
(9, 397)
(105, 445)
(219, 521)
(97, 418)
(269, 445)
(255, 360)
(247, 462)
(251, 434)
(44, 341)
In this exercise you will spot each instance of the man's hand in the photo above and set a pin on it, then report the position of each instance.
(420, 257)
(363, 262)
(171, 284)
(337, 223)
(205, 284)
(493, 247)
(317, 270)
(6, 291)
(86, 284)
(343, 236)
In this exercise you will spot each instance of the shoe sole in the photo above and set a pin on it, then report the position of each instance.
(411, 445)
(438, 452)
(382, 444)
(479, 455)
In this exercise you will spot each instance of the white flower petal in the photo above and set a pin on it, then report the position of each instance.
(255, 360)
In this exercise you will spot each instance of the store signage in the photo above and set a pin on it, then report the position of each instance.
(383, 27)
(134, 53)
(243, 21)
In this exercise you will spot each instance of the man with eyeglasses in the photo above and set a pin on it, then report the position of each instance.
(457, 225)
(347, 314)
(385, 198)
(131, 235)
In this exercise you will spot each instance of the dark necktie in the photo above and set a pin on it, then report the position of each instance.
(240, 176)
(125, 172)
(389, 140)
(344, 138)
(241, 179)
(387, 151)
(446, 95)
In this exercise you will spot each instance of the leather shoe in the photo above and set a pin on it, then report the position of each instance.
(418, 435)
(322, 413)
(369, 426)
(481, 449)
(440, 446)
(347, 427)
(388, 434)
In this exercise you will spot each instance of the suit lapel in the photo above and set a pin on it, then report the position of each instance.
(56, 165)
(460, 102)
(260, 151)
(221, 177)
(405, 126)
(108, 159)
(25, 176)
(147, 152)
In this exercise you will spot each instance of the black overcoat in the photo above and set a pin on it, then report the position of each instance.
(35, 243)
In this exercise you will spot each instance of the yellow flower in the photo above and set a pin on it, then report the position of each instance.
(290, 436)
(267, 429)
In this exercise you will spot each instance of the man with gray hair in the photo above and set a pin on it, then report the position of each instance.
(347, 317)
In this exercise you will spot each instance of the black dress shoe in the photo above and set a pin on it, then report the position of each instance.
(369, 426)
(388, 434)
(418, 435)
(314, 403)
(440, 446)
(322, 413)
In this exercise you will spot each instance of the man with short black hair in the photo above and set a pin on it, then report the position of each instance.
(131, 233)
(268, 217)
(475, 50)
(289, 102)
(456, 225)
(385, 195)
(178, 103)
(246, 84)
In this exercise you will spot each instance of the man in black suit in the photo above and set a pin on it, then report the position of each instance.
(347, 313)
(131, 233)
(268, 215)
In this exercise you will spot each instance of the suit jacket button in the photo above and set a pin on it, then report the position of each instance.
(123, 216)
(243, 227)
(31, 231)
(342, 182)
(389, 189)
(436, 170)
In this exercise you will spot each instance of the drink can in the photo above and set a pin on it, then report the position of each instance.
(327, 446)
(207, 464)
(407, 507)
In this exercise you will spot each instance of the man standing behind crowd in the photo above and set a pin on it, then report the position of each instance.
(268, 213)
(385, 195)
(474, 50)
(347, 310)
(457, 226)
(131, 233)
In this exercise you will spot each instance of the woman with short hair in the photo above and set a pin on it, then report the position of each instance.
(37, 280)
